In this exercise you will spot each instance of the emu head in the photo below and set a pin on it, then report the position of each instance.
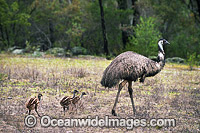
(74, 93)
(83, 93)
(39, 96)
(161, 43)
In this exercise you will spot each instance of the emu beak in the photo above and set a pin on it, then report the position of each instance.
(167, 42)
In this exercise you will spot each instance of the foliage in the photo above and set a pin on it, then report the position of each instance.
(45, 24)
(193, 60)
(56, 51)
(31, 48)
(11, 18)
(146, 37)
(79, 50)
(37, 54)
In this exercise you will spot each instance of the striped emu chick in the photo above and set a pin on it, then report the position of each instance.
(66, 101)
(33, 103)
(78, 98)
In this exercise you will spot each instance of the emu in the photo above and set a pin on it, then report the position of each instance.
(78, 98)
(33, 103)
(130, 66)
(66, 101)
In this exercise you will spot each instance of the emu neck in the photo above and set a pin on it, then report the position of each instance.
(161, 59)
(81, 95)
(39, 98)
(74, 95)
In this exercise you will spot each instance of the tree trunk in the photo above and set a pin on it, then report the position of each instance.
(51, 30)
(103, 28)
(198, 6)
(135, 13)
(7, 37)
(122, 4)
(2, 34)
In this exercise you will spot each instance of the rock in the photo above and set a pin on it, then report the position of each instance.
(18, 51)
(13, 48)
(175, 60)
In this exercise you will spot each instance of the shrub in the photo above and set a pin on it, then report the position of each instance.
(37, 54)
(79, 50)
(59, 52)
(145, 38)
(192, 60)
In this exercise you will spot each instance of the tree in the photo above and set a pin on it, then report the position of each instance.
(126, 23)
(103, 28)
(13, 24)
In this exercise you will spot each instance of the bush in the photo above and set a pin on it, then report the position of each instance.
(30, 48)
(59, 52)
(145, 38)
(37, 54)
(79, 50)
(192, 60)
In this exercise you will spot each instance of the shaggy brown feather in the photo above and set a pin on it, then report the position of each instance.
(78, 98)
(66, 101)
(130, 66)
(33, 103)
(30, 104)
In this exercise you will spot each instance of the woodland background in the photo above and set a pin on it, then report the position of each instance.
(76, 26)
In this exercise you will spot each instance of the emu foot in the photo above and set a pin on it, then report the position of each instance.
(113, 112)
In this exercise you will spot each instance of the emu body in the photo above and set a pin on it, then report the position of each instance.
(33, 103)
(78, 98)
(66, 101)
(130, 66)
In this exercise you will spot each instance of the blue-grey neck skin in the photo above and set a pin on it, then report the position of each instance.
(161, 53)
(81, 95)
(39, 97)
(161, 59)
(160, 46)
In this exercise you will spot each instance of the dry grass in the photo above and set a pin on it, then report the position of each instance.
(173, 93)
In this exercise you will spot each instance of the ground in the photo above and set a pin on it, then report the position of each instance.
(173, 93)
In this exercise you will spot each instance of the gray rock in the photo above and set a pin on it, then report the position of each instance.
(18, 51)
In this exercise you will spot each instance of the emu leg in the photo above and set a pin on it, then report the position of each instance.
(29, 112)
(36, 110)
(130, 90)
(121, 85)
(142, 78)
(64, 110)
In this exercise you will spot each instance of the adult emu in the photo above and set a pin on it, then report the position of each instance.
(130, 66)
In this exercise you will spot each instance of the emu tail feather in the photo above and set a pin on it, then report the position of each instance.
(109, 78)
